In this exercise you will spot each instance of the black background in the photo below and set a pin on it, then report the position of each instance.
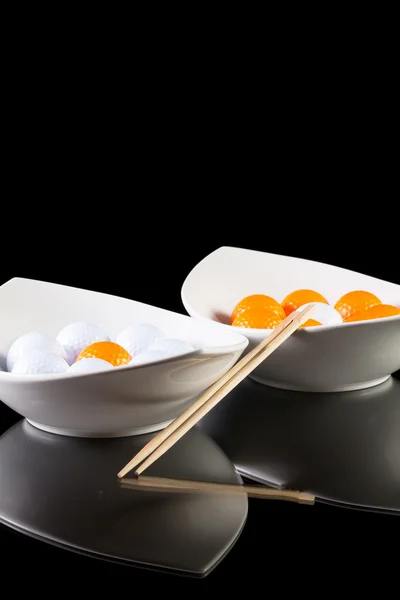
(126, 196)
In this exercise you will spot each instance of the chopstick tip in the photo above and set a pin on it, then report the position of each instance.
(305, 498)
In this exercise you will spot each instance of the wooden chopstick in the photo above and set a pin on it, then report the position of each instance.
(168, 436)
(163, 484)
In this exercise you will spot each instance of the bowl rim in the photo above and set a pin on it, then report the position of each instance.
(285, 256)
(200, 352)
(304, 330)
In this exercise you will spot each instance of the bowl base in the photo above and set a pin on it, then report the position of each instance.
(344, 388)
(101, 434)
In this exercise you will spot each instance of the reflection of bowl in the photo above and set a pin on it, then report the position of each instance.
(343, 448)
(65, 491)
(122, 401)
(348, 356)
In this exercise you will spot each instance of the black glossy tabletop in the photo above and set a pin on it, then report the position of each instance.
(279, 540)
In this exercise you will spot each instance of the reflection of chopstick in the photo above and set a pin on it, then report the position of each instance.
(161, 484)
(215, 393)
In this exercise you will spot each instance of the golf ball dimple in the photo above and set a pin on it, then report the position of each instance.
(33, 340)
(138, 338)
(172, 347)
(79, 335)
(148, 356)
(39, 362)
(90, 365)
(324, 313)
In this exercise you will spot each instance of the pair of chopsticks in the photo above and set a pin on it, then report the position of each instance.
(167, 437)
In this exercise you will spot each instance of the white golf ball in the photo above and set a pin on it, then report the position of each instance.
(138, 338)
(324, 313)
(29, 341)
(90, 365)
(38, 362)
(172, 346)
(77, 336)
(148, 356)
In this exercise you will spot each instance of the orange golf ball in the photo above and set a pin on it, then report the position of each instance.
(298, 298)
(379, 311)
(109, 351)
(257, 302)
(354, 302)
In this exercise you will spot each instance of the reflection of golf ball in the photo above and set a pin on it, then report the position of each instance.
(148, 356)
(324, 313)
(29, 341)
(37, 362)
(77, 336)
(90, 365)
(172, 347)
(137, 338)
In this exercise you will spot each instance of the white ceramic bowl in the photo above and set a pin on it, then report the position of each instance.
(348, 356)
(126, 400)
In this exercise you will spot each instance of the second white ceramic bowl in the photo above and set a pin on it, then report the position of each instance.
(334, 358)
